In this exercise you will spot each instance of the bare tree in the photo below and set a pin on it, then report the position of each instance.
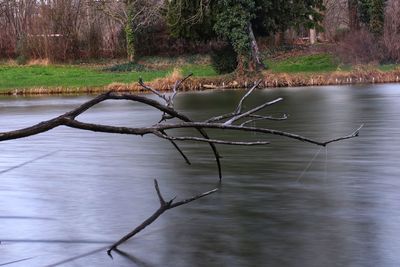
(237, 120)
(354, 20)
(133, 16)
(18, 15)
(391, 36)
(335, 17)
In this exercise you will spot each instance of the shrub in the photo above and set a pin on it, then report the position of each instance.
(21, 60)
(361, 47)
(126, 67)
(224, 59)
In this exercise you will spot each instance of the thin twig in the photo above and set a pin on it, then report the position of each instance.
(178, 148)
(252, 111)
(238, 109)
(170, 102)
(214, 141)
(154, 91)
(352, 135)
(259, 118)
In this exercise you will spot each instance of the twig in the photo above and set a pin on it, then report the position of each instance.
(352, 135)
(238, 109)
(214, 141)
(164, 206)
(154, 91)
(259, 117)
(170, 102)
(177, 148)
(252, 111)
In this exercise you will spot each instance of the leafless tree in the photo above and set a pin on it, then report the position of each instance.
(237, 120)
(335, 17)
(391, 37)
(132, 15)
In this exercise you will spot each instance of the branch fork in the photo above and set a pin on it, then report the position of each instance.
(164, 206)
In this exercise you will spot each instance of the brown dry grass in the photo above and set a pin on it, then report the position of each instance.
(41, 62)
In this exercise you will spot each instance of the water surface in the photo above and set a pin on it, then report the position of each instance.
(67, 194)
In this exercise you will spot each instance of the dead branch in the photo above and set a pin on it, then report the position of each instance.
(160, 129)
(164, 206)
(169, 100)
(227, 122)
(69, 119)
(258, 118)
(238, 109)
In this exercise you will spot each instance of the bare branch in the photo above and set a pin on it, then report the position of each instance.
(164, 206)
(222, 126)
(352, 135)
(252, 111)
(214, 141)
(69, 119)
(239, 107)
(178, 148)
(259, 117)
(170, 102)
(186, 201)
(154, 91)
(160, 197)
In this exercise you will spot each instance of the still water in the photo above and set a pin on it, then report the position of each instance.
(68, 194)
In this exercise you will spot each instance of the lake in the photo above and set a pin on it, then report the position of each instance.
(67, 194)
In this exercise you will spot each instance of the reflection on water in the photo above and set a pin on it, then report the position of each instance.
(67, 194)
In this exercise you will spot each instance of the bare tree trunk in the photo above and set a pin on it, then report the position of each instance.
(130, 31)
(255, 52)
(354, 21)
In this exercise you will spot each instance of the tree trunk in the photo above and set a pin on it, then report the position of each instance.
(354, 20)
(256, 60)
(130, 42)
(130, 33)
(313, 36)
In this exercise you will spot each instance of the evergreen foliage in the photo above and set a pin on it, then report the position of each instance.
(377, 16)
(372, 15)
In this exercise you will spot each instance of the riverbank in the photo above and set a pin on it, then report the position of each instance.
(308, 70)
(269, 80)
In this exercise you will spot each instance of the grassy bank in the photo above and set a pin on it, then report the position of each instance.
(317, 69)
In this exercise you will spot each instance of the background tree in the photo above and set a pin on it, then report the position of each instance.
(239, 22)
(354, 18)
(235, 21)
(190, 19)
(377, 16)
(133, 16)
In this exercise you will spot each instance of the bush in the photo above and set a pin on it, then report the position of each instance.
(21, 60)
(224, 59)
(126, 67)
(361, 47)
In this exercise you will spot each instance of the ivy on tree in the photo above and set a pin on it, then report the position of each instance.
(239, 21)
